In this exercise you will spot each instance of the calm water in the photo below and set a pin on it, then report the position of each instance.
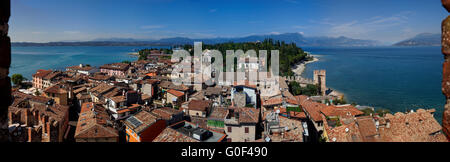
(26, 60)
(397, 78)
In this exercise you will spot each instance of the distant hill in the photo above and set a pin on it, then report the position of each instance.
(424, 39)
(297, 38)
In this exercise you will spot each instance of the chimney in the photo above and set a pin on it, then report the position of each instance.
(48, 130)
(29, 134)
(27, 113)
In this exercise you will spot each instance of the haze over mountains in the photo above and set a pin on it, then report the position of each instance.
(297, 38)
(423, 39)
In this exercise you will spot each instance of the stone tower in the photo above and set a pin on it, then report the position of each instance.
(320, 80)
(446, 69)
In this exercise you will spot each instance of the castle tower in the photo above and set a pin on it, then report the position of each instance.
(320, 80)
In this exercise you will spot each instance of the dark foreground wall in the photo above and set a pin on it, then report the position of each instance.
(5, 62)
(446, 69)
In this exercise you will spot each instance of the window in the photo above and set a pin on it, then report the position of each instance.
(229, 129)
(246, 129)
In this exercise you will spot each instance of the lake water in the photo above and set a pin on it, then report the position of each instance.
(26, 60)
(397, 78)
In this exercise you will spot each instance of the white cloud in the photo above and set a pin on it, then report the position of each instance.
(365, 28)
(275, 33)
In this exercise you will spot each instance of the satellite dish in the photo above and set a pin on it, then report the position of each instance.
(346, 129)
(277, 111)
(267, 139)
(334, 139)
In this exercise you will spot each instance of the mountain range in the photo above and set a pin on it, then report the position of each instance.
(297, 38)
(423, 39)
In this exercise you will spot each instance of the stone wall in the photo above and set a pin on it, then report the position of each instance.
(446, 69)
(5, 62)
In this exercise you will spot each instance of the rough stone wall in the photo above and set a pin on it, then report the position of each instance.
(320, 80)
(446, 69)
(5, 62)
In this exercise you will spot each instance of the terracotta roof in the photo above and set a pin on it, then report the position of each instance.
(199, 105)
(100, 77)
(294, 133)
(341, 111)
(218, 113)
(101, 88)
(52, 75)
(145, 118)
(165, 113)
(175, 93)
(55, 89)
(293, 114)
(94, 122)
(367, 128)
(116, 66)
(79, 90)
(55, 112)
(170, 85)
(171, 135)
(213, 91)
(273, 101)
(114, 92)
(78, 68)
(344, 133)
(41, 73)
(310, 107)
(246, 114)
(419, 126)
(246, 83)
(118, 99)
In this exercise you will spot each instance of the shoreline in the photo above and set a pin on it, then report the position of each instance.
(134, 53)
(300, 67)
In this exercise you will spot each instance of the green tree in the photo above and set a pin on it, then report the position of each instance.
(17, 79)
(340, 101)
(382, 111)
(367, 111)
(295, 88)
(126, 62)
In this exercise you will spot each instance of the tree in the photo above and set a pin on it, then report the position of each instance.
(126, 62)
(382, 111)
(17, 79)
(295, 88)
(340, 101)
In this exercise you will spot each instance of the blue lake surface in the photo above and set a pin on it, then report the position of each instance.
(26, 60)
(397, 78)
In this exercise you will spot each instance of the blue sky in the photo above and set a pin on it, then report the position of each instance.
(63, 20)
